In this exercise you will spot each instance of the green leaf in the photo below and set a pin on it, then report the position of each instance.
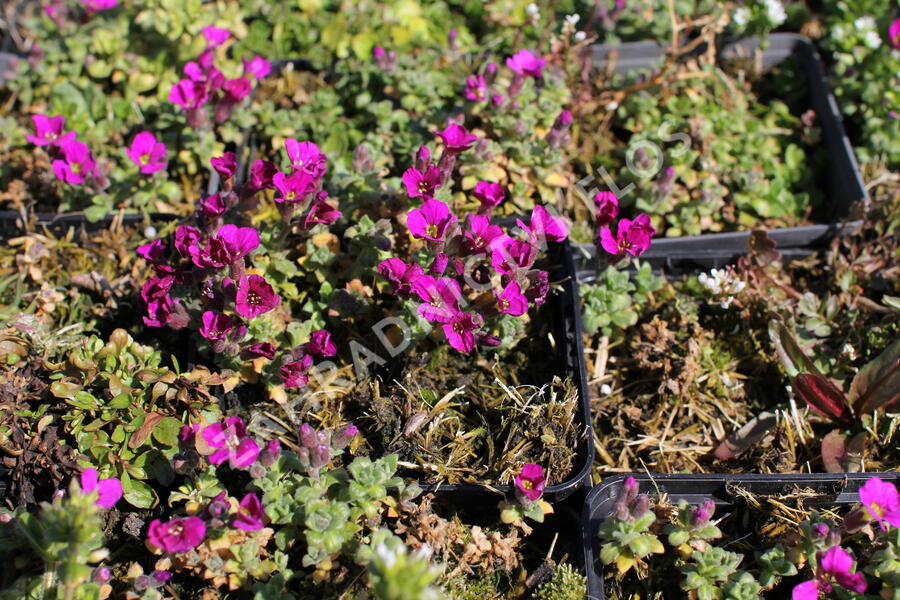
(792, 357)
(877, 385)
(137, 493)
(166, 431)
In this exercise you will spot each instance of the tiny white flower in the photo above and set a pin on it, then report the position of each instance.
(573, 19)
(866, 23)
(532, 9)
(612, 106)
(580, 36)
(872, 39)
(775, 12)
(150, 231)
(741, 16)
(605, 389)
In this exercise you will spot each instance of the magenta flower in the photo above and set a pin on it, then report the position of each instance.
(98, 5)
(460, 330)
(440, 298)
(237, 241)
(255, 296)
(215, 36)
(176, 535)
(213, 206)
(250, 515)
(225, 165)
(233, 443)
(894, 34)
(882, 501)
(320, 344)
(109, 491)
(530, 482)
(215, 325)
(154, 252)
(508, 254)
(833, 563)
(400, 274)
(186, 237)
(511, 301)
(607, 208)
(321, 213)
(456, 139)
(260, 350)
(257, 67)
(476, 88)
(633, 237)
(480, 234)
(489, 194)
(77, 162)
(420, 184)
(261, 175)
(48, 130)
(158, 312)
(293, 374)
(430, 221)
(189, 94)
(524, 62)
(544, 226)
(236, 90)
(295, 187)
(156, 288)
(147, 153)
(306, 157)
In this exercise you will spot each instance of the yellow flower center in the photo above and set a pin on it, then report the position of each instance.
(145, 158)
(877, 509)
(431, 230)
(291, 195)
(527, 484)
(76, 168)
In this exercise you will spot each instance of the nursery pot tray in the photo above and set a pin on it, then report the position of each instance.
(842, 183)
(59, 223)
(831, 489)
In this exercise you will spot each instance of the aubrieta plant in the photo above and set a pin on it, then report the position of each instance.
(857, 559)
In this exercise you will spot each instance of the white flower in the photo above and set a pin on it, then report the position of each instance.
(580, 36)
(573, 19)
(866, 23)
(775, 12)
(872, 39)
(723, 283)
(150, 232)
(532, 9)
(741, 16)
(387, 556)
(605, 389)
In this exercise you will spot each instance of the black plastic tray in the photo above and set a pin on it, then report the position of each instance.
(835, 490)
(843, 183)
(11, 221)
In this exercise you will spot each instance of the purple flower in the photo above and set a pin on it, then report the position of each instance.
(306, 157)
(48, 130)
(98, 5)
(233, 443)
(215, 325)
(260, 350)
(186, 237)
(430, 221)
(400, 274)
(524, 62)
(257, 67)
(250, 515)
(262, 174)
(633, 237)
(459, 331)
(154, 252)
(530, 481)
(508, 254)
(176, 535)
(77, 162)
(238, 242)
(511, 301)
(320, 344)
(293, 374)
(440, 298)
(215, 36)
(894, 34)
(607, 208)
(321, 213)
(213, 206)
(833, 563)
(343, 437)
(255, 296)
(147, 153)
(544, 226)
(480, 234)
(189, 94)
(476, 88)
(235, 90)
(489, 194)
(456, 139)
(108, 490)
(225, 165)
(882, 501)
(295, 187)
(419, 184)
(157, 288)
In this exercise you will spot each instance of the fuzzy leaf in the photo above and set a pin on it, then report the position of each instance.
(792, 357)
(823, 397)
(877, 385)
(833, 448)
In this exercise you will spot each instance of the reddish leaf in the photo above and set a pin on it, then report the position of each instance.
(143, 432)
(823, 397)
(841, 456)
(877, 385)
(792, 356)
(744, 438)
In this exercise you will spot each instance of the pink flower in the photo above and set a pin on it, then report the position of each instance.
(238, 242)
(257, 67)
(147, 153)
(158, 311)
(882, 501)
(98, 5)
(225, 165)
(215, 325)
(293, 374)
(430, 221)
(154, 252)
(215, 36)
(259, 350)
(77, 162)
(157, 288)
(233, 443)
(261, 175)
(481, 234)
(320, 344)
(838, 563)
(607, 208)
(186, 237)
(459, 331)
(489, 194)
(524, 62)
(511, 301)
(894, 34)
(456, 139)
(633, 237)
(255, 296)
(212, 206)
(250, 515)
(476, 88)
(400, 274)
(295, 187)
(508, 255)
(189, 94)
(440, 298)
(236, 90)
(530, 482)
(321, 213)
(176, 535)
(48, 130)
(306, 157)
(544, 226)
(108, 490)
(420, 184)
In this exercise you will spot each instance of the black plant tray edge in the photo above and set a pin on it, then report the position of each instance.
(836, 489)
(844, 181)
(11, 221)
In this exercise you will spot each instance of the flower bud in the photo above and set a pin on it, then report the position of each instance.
(308, 436)
(270, 453)
(303, 456)
(257, 471)
(343, 437)
(142, 583)
(102, 575)
(320, 456)
(439, 264)
(423, 159)
(640, 506)
(490, 73)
